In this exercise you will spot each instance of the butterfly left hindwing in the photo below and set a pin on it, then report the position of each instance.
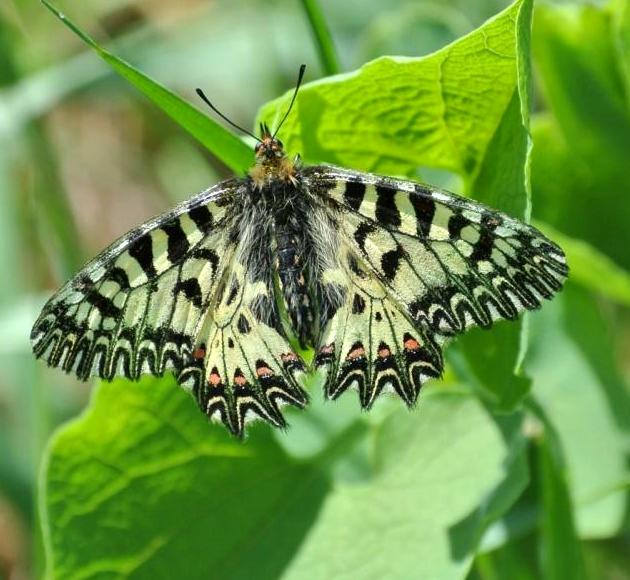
(246, 369)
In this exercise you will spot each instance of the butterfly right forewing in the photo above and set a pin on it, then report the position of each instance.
(450, 262)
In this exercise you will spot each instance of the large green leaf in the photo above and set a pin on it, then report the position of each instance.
(430, 497)
(142, 484)
(224, 144)
(396, 114)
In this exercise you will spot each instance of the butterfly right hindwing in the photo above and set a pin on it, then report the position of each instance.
(372, 346)
(421, 266)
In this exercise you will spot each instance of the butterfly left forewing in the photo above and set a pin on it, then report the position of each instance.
(135, 308)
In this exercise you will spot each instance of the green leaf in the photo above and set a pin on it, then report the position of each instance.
(513, 560)
(222, 143)
(142, 484)
(580, 161)
(576, 381)
(561, 552)
(430, 497)
(562, 557)
(396, 114)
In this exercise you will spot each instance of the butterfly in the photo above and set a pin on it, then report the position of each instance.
(375, 274)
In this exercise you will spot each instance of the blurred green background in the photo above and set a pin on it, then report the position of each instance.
(84, 157)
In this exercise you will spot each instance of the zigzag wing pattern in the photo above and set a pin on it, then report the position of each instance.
(449, 262)
(136, 307)
(371, 345)
(243, 368)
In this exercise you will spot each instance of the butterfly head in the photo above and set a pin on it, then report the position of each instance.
(269, 149)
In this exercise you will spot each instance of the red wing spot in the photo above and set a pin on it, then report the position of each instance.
(356, 353)
(199, 353)
(411, 344)
(384, 352)
(288, 357)
(214, 379)
(240, 380)
(263, 372)
(328, 349)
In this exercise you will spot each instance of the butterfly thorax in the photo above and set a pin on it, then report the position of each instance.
(272, 164)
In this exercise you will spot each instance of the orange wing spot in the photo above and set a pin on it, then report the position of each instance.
(411, 344)
(263, 372)
(240, 380)
(214, 379)
(199, 353)
(328, 349)
(384, 352)
(356, 353)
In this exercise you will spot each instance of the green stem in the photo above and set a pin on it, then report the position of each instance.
(561, 549)
(325, 46)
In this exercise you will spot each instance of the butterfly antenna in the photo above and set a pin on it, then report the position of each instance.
(297, 88)
(207, 102)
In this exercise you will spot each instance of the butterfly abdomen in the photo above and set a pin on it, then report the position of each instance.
(292, 275)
